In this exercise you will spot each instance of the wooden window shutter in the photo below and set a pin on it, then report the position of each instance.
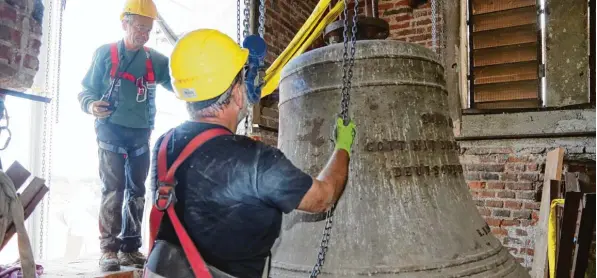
(505, 54)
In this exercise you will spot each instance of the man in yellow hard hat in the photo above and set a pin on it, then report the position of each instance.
(119, 90)
(227, 197)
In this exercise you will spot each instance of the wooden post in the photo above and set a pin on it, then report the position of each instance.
(553, 171)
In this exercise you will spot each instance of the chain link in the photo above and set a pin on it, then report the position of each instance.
(262, 18)
(238, 22)
(45, 130)
(58, 59)
(347, 64)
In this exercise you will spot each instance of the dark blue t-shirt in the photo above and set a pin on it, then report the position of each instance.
(231, 194)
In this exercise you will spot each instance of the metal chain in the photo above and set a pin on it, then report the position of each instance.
(58, 58)
(346, 86)
(246, 19)
(238, 22)
(44, 133)
(262, 18)
(434, 25)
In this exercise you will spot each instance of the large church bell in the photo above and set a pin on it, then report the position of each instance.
(406, 210)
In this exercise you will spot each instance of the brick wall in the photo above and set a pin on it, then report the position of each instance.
(282, 20)
(505, 178)
(20, 42)
(408, 24)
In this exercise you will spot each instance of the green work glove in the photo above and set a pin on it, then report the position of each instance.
(344, 135)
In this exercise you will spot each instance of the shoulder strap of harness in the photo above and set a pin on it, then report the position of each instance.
(150, 77)
(165, 198)
(114, 59)
(149, 66)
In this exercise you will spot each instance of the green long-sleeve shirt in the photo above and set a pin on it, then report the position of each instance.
(96, 82)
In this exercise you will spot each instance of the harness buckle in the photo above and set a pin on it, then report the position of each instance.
(164, 196)
(141, 90)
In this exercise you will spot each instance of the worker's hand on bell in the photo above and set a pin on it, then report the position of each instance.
(99, 109)
(344, 135)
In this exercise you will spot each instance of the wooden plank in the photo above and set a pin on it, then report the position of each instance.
(18, 174)
(505, 36)
(27, 211)
(506, 54)
(507, 91)
(553, 171)
(504, 19)
(511, 104)
(585, 236)
(566, 238)
(489, 6)
(31, 190)
(506, 73)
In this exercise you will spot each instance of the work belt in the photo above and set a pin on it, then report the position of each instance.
(120, 150)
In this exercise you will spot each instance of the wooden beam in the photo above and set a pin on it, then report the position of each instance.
(585, 236)
(18, 174)
(553, 171)
(566, 238)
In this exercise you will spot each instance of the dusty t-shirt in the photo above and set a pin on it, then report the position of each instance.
(231, 194)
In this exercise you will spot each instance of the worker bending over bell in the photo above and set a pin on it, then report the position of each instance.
(119, 90)
(230, 192)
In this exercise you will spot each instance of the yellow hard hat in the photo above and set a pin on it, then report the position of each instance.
(141, 7)
(204, 63)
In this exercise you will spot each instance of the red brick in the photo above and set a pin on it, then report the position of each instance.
(515, 167)
(528, 177)
(496, 185)
(521, 232)
(512, 204)
(499, 231)
(493, 222)
(494, 203)
(31, 62)
(509, 177)
(517, 159)
(531, 205)
(476, 184)
(486, 167)
(527, 195)
(489, 176)
(8, 13)
(520, 186)
(532, 167)
(501, 213)
(509, 223)
(506, 194)
(522, 214)
(487, 194)
(527, 251)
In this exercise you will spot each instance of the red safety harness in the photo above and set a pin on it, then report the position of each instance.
(140, 82)
(165, 198)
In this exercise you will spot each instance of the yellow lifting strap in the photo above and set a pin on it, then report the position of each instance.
(301, 41)
(552, 237)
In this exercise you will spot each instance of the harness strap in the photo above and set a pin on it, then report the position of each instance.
(150, 75)
(165, 198)
(114, 58)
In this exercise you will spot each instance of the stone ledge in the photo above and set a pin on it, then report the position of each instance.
(558, 123)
